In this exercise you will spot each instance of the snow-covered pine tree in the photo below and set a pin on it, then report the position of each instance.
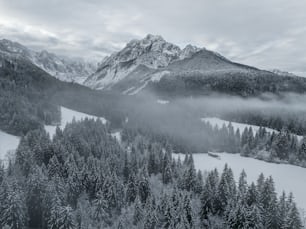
(13, 212)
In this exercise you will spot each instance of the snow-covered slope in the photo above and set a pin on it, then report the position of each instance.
(67, 116)
(152, 51)
(8, 143)
(63, 68)
(289, 178)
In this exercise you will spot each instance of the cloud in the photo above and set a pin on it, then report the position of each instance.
(267, 34)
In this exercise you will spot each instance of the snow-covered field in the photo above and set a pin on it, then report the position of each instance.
(67, 116)
(8, 143)
(289, 178)
(236, 125)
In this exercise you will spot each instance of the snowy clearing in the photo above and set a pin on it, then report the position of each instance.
(236, 125)
(67, 116)
(288, 178)
(8, 143)
(117, 136)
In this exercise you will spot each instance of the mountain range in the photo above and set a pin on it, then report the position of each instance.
(63, 68)
(155, 65)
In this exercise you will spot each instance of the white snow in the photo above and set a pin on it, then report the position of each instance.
(163, 102)
(236, 125)
(67, 116)
(289, 178)
(8, 143)
(156, 77)
(128, 90)
(117, 135)
(139, 89)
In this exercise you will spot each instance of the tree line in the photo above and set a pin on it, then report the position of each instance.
(84, 178)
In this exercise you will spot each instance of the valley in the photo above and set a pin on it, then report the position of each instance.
(123, 127)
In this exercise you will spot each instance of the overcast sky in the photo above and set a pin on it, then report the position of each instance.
(267, 34)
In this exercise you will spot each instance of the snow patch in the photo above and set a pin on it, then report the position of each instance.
(128, 90)
(67, 116)
(117, 136)
(139, 89)
(288, 178)
(163, 102)
(8, 143)
(156, 77)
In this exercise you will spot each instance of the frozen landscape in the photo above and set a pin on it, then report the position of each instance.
(288, 178)
(8, 143)
(99, 100)
(67, 115)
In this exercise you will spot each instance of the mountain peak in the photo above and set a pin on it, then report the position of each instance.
(152, 37)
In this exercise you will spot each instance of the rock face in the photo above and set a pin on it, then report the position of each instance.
(143, 62)
(63, 68)
(152, 53)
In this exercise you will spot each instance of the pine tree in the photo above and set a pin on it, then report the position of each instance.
(66, 218)
(268, 201)
(143, 186)
(131, 192)
(189, 176)
(293, 219)
(242, 185)
(13, 210)
(199, 183)
(150, 220)
(126, 168)
(34, 197)
(152, 163)
(100, 209)
(251, 195)
(281, 144)
(302, 150)
(226, 189)
(254, 217)
(138, 212)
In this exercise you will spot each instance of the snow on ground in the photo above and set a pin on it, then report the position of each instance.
(138, 89)
(156, 77)
(128, 90)
(163, 102)
(289, 178)
(236, 125)
(8, 143)
(117, 135)
(67, 116)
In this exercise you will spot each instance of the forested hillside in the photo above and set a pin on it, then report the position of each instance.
(245, 84)
(30, 97)
(24, 97)
(83, 178)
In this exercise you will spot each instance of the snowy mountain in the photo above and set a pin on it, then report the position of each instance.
(63, 68)
(159, 66)
(152, 53)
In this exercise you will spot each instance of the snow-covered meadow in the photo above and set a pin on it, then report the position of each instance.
(8, 143)
(288, 178)
(67, 115)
